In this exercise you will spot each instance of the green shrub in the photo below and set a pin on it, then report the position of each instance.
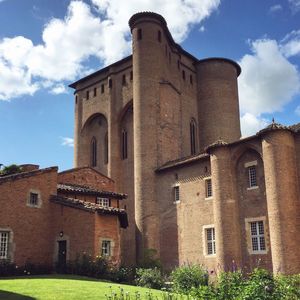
(186, 277)
(123, 274)
(288, 287)
(151, 278)
(150, 260)
(87, 266)
(205, 292)
(230, 285)
(8, 268)
(260, 286)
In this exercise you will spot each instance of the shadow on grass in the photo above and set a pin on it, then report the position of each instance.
(56, 276)
(13, 296)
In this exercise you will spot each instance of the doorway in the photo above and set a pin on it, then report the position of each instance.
(62, 256)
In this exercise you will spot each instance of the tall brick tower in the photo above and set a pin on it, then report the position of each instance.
(148, 63)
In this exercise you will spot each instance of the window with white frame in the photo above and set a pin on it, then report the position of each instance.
(106, 248)
(252, 176)
(210, 241)
(102, 201)
(258, 236)
(33, 199)
(208, 188)
(176, 193)
(4, 241)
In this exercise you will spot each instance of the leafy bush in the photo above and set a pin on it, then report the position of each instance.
(230, 285)
(8, 268)
(150, 260)
(11, 169)
(260, 285)
(87, 266)
(288, 287)
(151, 278)
(187, 277)
(123, 274)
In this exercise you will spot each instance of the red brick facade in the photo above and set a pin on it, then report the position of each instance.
(35, 230)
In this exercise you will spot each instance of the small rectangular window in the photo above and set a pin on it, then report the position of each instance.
(191, 79)
(208, 188)
(176, 194)
(4, 240)
(139, 34)
(124, 79)
(87, 95)
(76, 99)
(183, 74)
(131, 75)
(106, 248)
(210, 241)
(102, 88)
(33, 199)
(252, 176)
(102, 201)
(178, 64)
(95, 92)
(257, 236)
(110, 83)
(159, 36)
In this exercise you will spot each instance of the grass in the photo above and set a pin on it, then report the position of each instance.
(61, 287)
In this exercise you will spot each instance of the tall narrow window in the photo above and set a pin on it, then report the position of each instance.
(258, 236)
(159, 36)
(87, 95)
(176, 194)
(208, 188)
(110, 83)
(124, 144)
(131, 75)
(106, 248)
(191, 79)
(106, 148)
(183, 74)
(124, 79)
(210, 240)
(102, 88)
(139, 34)
(94, 152)
(193, 136)
(252, 176)
(178, 64)
(4, 240)
(76, 99)
(95, 92)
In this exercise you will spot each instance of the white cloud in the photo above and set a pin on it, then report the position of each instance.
(202, 29)
(297, 110)
(179, 14)
(290, 45)
(59, 89)
(268, 80)
(294, 5)
(251, 124)
(275, 8)
(67, 141)
(69, 42)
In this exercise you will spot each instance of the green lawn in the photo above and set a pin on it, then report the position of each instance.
(62, 287)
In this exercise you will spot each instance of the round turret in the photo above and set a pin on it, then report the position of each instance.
(218, 100)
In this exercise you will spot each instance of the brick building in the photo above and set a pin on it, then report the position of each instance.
(48, 217)
(165, 126)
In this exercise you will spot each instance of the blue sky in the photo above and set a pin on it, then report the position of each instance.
(47, 44)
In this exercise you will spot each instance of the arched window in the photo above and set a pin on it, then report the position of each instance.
(94, 152)
(124, 144)
(193, 136)
(106, 148)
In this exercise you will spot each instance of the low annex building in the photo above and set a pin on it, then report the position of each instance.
(165, 126)
(48, 217)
